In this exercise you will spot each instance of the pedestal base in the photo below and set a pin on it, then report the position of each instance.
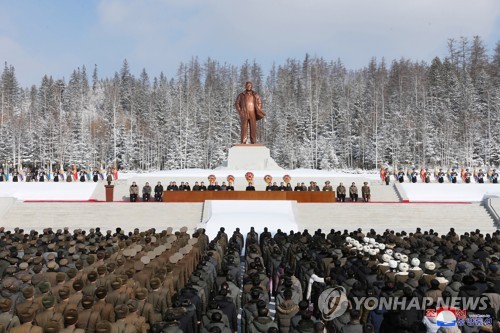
(250, 157)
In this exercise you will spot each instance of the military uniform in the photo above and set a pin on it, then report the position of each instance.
(341, 193)
(365, 192)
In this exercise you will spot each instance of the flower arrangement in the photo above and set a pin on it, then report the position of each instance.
(287, 179)
(268, 179)
(211, 179)
(230, 179)
(249, 177)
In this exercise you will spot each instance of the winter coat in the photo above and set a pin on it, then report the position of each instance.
(284, 313)
(261, 325)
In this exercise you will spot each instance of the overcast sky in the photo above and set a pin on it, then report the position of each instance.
(54, 37)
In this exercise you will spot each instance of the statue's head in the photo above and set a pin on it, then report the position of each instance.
(248, 85)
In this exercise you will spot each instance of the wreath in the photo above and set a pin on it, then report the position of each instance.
(249, 177)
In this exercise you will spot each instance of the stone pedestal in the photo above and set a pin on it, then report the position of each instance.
(109, 192)
(250, 157)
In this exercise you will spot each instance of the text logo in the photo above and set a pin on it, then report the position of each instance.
(332, 303)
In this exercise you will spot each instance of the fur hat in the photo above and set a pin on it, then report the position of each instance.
(429, 265)
(415, 262)
(403, 267)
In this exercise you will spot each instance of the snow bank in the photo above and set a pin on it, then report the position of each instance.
(450, 192)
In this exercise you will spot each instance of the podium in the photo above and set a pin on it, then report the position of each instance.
(109, 192)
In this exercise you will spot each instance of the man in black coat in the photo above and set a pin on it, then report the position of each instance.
(158, 191)
(227, 306)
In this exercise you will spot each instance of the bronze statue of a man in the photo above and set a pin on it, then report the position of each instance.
(249, 106)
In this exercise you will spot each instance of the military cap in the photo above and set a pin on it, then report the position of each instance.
(111, 267)
(37, 260)
(70, 316)
(155, 283)
(60, 277)
(116, 284)
(78, 264)
(101, 292)
(52, 265)
(87, 301)
(121, 311)
(141, 293)
(26, 277)
(44, 286)
(28, 291)
(101, 270)
(92, 276)
(78, 285)
(146, 259)
(63, 262)
(23, 265)
(132, 305)
(5, 304)
(64, 292)
(71, 273)
(48, 301)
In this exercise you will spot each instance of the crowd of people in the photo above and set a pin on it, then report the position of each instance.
(165, 281)
(451, 175)
(45, 174)
(341, 191)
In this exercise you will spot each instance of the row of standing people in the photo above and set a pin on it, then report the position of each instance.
(43, 175)
(440, 176)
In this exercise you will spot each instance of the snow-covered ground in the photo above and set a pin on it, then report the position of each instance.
(450, 192)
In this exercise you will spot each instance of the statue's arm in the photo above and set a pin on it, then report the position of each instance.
(237, 104)
(258, 102)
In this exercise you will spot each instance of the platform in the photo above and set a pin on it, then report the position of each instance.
(201, 196)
